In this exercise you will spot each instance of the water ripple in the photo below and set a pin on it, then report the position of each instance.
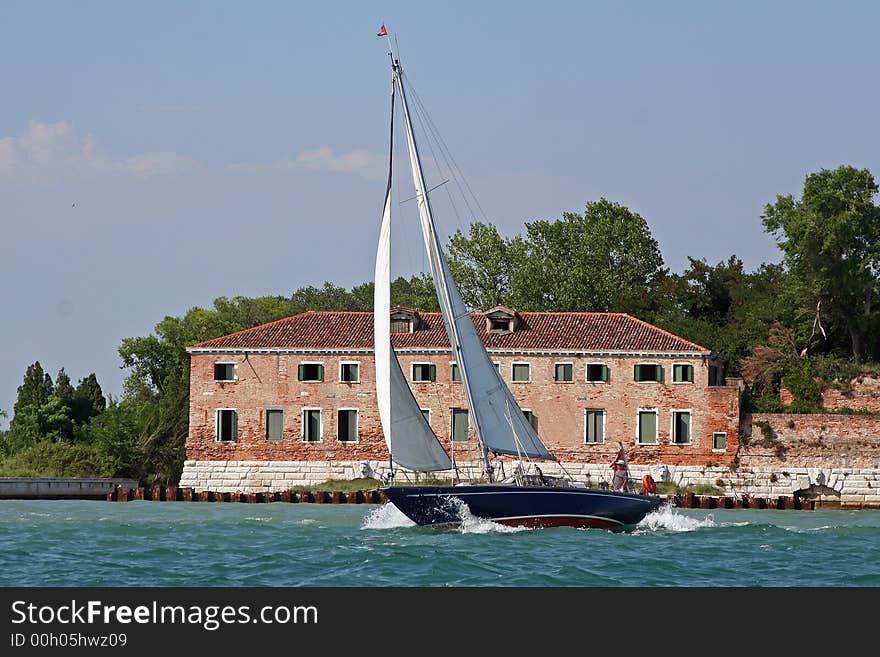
(67, 543)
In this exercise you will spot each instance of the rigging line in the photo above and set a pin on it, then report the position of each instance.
(447, 150)
(430, 139)
(432, 136)
(421, 119)
(424, 119)
(412, 198)
(409, 299)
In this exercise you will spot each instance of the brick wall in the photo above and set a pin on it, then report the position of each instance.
(269, 380)
(808, 440)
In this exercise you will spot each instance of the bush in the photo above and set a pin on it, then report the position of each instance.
(703, 489)
(57, 459)
(804, 387)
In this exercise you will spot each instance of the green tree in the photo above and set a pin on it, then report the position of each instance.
(603, 260)
(35, 391)
(87, 400)
(416, 292)
(481, 263)
(328, 297)
(63, 388)
(830, 239)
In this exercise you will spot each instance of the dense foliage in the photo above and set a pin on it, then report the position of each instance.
(809, 321)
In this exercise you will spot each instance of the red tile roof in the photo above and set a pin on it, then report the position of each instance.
(536, 331)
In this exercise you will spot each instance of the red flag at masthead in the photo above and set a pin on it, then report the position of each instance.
(382, 31)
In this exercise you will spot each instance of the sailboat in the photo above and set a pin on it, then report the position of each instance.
(526, 498)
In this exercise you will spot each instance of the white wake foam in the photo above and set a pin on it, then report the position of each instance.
(666, 518)
(386, 516)
(471, 524)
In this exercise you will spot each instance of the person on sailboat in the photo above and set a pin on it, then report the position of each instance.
(620, 480)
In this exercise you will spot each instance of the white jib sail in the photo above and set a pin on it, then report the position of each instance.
(409, 437)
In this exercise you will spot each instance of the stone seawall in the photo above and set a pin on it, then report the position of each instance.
(59, 488)
(848, 487)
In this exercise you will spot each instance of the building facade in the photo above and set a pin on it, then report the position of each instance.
(294, 401)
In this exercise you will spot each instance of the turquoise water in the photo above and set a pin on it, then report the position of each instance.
(81, 543)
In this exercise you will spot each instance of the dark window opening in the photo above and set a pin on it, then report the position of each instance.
(227, 426)
(349, 373)
(312, 425)
(311, 372)
(347, 426)
(224, 371)
(719, 440)
(424, 372)
(681, 427)
(597, 373)
(651, 372)
(456, 373)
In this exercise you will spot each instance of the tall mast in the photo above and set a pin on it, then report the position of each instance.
(435, 254)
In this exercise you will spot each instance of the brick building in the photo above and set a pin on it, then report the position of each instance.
(278, 403)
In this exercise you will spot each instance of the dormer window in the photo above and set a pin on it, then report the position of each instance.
(404, 320)
(501, 319)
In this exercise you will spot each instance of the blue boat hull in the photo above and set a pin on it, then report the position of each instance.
(522, 505)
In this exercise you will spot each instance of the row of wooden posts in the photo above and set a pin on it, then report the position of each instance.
(178, 494)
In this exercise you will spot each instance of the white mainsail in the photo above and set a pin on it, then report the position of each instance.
(500, 424)
(411, 442)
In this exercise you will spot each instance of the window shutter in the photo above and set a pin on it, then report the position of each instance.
(302, 372)
(659, 376)
(320, 372)
(432, 372)
(234, 421)
(606, 374)
(689, 373)
(635, 372)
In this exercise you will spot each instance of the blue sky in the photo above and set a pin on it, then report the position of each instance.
(154, 156)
